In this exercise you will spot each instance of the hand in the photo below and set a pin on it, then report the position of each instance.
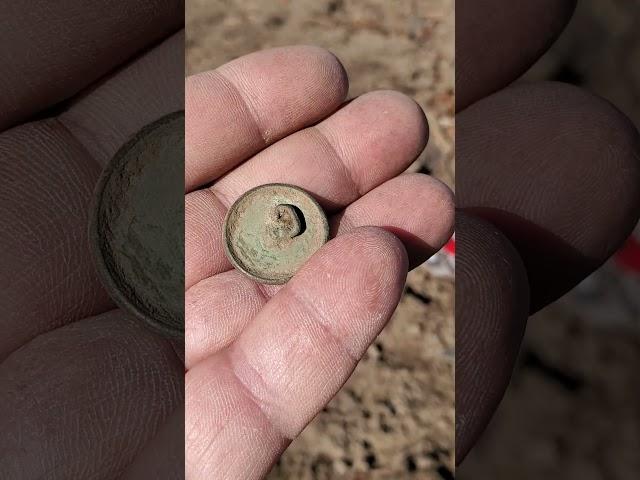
(86, 391)
(263, 361)
(548, 186)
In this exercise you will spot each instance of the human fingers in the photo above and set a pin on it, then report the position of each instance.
(66, 154)
(557, 170)
(216, 310)
(163, 457)
(492, 306)
(48, 279)
(107, 379)
(51, 53)
(498, 41)
(370, 140)
(110, 112)
(245, 105)
(418, 209)
(259, 393)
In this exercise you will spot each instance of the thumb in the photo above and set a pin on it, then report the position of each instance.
(293, 358)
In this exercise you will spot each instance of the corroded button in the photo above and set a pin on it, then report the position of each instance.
(272, 230)
(137, 227)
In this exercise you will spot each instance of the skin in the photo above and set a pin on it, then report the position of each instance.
(87, 392)
(547, 190)
(62, 126)
(264, 360)
(117, 389)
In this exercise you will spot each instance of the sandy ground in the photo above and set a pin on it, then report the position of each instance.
(395, 417)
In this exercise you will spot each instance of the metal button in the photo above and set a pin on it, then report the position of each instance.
(137, 226)
(272, 230)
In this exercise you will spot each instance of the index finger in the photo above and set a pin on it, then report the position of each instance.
(233, 112)
(51, 52)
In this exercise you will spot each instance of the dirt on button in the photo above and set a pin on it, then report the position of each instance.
(394, 418)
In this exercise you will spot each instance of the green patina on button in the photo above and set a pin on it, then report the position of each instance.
(272, 230)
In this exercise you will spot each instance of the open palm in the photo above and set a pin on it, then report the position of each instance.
(262, 360)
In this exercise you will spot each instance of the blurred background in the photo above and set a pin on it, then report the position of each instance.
(573, 407)
(394, 419)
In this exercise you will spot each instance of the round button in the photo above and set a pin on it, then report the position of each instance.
(137, 226)
(272, 230)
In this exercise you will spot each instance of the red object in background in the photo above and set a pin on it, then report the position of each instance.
(450, 246)
(628, 257)
(443, 263)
